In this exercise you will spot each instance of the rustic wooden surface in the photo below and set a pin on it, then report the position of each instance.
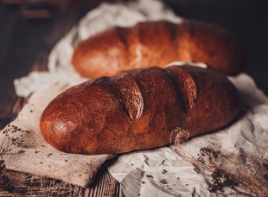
(25, 45)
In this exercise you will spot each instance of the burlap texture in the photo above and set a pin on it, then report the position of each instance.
(25, 150)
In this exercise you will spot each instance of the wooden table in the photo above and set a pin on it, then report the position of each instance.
(26, 44)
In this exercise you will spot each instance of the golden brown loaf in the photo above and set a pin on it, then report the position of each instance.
(139, 109)
(158, 43)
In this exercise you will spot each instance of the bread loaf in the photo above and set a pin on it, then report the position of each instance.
(139, 109)
(158, 43)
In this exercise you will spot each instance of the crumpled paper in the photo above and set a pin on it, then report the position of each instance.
(169, 171)
(165, 171)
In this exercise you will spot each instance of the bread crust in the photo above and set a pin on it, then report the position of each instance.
(102, 117)
(157, 44)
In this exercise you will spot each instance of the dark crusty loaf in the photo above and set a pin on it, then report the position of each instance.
(158, 43)
(139, 109)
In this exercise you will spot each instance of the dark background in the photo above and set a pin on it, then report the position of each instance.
(26, 42)
(247, 19)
